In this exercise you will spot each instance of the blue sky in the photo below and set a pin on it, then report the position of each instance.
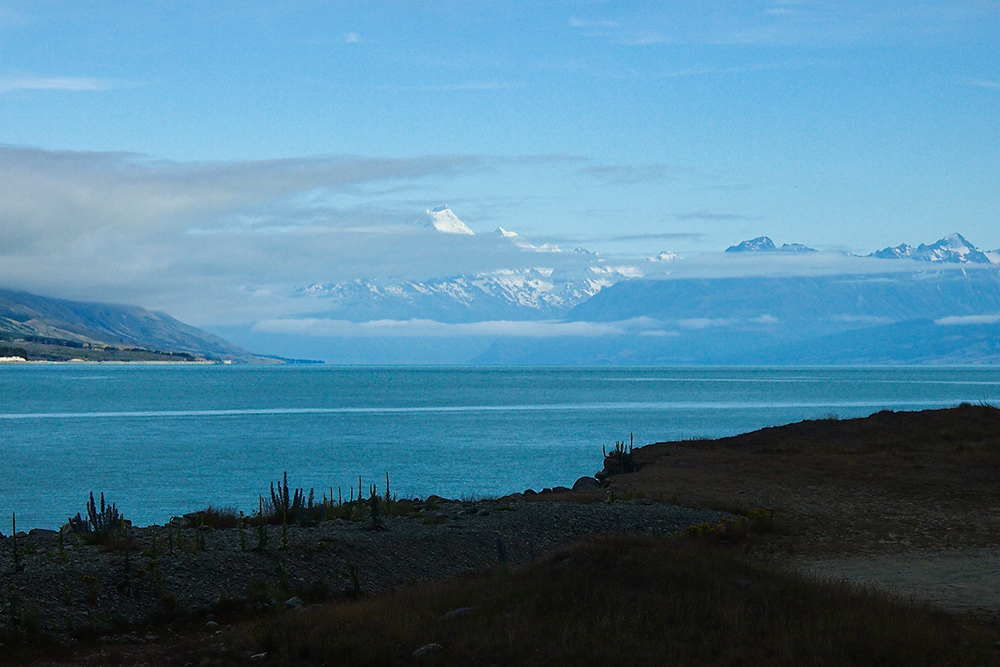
(128, 129)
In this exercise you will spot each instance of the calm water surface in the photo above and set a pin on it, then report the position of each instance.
(164, 440)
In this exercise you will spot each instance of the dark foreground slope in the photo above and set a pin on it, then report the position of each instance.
(56, 328)
(916, 489)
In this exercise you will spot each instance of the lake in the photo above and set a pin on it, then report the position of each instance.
(162, 440)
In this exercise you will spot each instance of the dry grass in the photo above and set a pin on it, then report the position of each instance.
(622, 602)
(890, 481)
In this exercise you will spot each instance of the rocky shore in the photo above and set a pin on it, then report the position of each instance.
(68, 589)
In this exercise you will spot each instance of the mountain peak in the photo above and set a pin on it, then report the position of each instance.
(505, 233)
(665, 256)
(444, 220)
(759, 244)
(765, 244)
(953, 248)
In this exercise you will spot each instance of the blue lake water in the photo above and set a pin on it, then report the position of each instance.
(165, 440)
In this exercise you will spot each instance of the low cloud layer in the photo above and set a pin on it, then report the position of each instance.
(328, 328)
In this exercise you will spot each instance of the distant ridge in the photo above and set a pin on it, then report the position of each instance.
(952, 249)
(28, 320)
(765, 244)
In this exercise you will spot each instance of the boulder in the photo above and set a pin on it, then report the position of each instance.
(42, 532)
(587, 484)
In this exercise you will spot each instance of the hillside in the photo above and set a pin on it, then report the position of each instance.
(58, 330)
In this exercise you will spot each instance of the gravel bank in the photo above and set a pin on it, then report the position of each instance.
(87, 590)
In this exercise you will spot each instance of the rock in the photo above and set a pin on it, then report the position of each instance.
(530, 492)
(742, 584)
(211, 625)
(559, 489)
(41, 532)
(425, 652)
(259, 656)
(587, 484)
(293, 602)
(455, 613)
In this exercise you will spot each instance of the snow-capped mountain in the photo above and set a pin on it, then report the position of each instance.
(536, 293)
(504, 233)
(765, 244)
(444, 220)
(665, 256)
(952, 248)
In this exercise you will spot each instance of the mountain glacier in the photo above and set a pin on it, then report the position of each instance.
(444, 220)
(520, 294)
(951, 249)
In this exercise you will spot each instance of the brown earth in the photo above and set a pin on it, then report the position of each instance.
(907, 501)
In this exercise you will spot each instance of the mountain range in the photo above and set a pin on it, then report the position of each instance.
(933, 303)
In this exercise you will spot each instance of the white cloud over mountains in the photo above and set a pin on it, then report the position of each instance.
(228, 242)
(181, 236)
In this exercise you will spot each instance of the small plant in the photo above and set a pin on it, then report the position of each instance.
(620, 459)
(761, 519)
(170, 538)
(90, 588)
(285, 504)
(200, 537)
(375, 514)
(105, 524)
(243, 535)
(261, 525)
(152, 552)
(18, 565)
(124, 583)
(62, 548)
(727, 531)
(352, 572)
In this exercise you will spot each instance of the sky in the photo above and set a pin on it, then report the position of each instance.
(209, 158)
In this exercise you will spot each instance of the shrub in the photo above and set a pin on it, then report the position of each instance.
(102, 525)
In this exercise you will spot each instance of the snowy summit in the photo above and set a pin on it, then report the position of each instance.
(952, 248)
(443, 220)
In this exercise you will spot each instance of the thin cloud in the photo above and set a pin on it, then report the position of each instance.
(967, 320)
(983, 83)
(329, 328)
(352, 38)
(709, 216)
(68, 84)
